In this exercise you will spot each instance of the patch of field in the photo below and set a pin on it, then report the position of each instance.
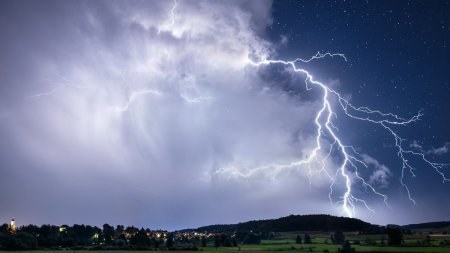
(267, 249)
(285, 243)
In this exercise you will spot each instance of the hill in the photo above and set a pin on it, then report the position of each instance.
(429, 226)
(318, 222)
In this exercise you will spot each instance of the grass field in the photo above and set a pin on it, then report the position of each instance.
(271, 248)
(257, 249)
(285, 243)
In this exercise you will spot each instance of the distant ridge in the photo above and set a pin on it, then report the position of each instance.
(428, 225)
(314, 222)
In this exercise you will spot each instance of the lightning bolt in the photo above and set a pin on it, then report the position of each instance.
(326, 130)
(171, 17)
(64, 83)
(196, 100)
(134, 96)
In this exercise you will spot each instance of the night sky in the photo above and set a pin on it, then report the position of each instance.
(151, 113)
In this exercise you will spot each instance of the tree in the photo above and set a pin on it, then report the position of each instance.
(383, 239)
(30, 229)
(108, 233)
(131, 231)
(308, 239)
(234, 241)
(81, 234)
(339, 237)
(20, 241)
(252, 238)
(395, 236)
(427, 240)
(4, 228)
(120, 243)
(216, 241)
(140, 239)
(203, 242)
(155, 242)
(120, 229)
(225, 240)
(48, 236)
(169, 242)
(346, 248)
(298, 240)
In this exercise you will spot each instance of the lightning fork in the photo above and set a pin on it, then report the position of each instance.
(326, 128)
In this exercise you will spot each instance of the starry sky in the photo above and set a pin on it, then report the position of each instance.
(151, 113)
(398, 56)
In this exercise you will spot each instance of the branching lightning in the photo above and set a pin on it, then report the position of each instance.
(64, 83)
(134, 96)
(327, 140)
(149, 92)
(171, 17)
(326, 130)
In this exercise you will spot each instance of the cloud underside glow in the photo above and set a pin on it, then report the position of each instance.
(151, 110)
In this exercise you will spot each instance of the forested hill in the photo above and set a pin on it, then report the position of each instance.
(428, 225)
(319, 222)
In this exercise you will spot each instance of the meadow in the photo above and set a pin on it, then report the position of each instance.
(285, 242)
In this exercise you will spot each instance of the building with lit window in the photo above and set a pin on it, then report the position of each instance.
(12, 226)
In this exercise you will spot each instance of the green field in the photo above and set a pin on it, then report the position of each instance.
(271, 248)
(257, 248)
(285, 242)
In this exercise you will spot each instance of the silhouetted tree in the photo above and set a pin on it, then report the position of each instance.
(383, 241)
(216, 241)
(81, 234)
(155, 242)
(140, 239)
(169, 242)
(339, 237)
(427, 240)
(30, 229)
(4, 228)
(298, 240)
(308, 239)
(203, 242)
(131, 231)
(120, 229)
(20, 241)
(120, 243)
(108, 233)
(225, 240)
(395, 236)
(252, 238)
(346, 248)
(48, 236)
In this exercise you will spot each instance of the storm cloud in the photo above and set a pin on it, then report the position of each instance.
(122, 112)
(114, 112)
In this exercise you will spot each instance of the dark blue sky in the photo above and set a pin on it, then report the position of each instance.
(398, 52)
(151, 113)
(398, 61)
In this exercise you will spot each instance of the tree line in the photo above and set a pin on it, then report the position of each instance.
(107, 237)
(120, 237)
(80, 236)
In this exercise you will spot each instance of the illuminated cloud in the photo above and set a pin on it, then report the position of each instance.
(123, 106)
(380, 175)
(125, 112)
